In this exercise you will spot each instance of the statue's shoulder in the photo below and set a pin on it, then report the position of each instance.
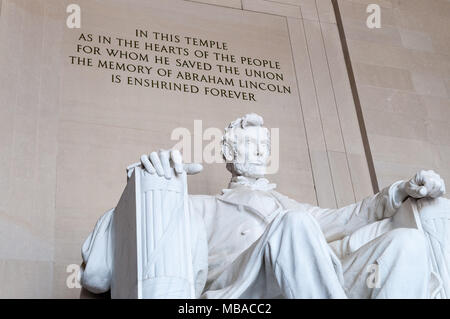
(287, 202)
(202, 204)
(202, 200)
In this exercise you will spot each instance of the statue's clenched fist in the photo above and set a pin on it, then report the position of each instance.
(165, 161)
(425, 184)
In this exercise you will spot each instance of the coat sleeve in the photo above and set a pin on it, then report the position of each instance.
(199, 205)
(199, 253)
(340, 222)
(97, 256)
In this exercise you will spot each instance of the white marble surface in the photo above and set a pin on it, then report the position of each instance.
(253, 242)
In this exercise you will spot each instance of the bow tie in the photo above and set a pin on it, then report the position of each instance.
(254, 184)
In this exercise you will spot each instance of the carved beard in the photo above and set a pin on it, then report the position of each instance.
(246, 169)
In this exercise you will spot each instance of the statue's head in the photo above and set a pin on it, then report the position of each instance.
(246, 146)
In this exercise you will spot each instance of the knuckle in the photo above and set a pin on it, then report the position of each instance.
(176, 155)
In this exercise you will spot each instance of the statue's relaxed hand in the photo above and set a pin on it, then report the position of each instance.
(164, 161)
(425, 184)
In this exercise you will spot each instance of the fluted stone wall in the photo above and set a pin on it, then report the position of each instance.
(402, 73)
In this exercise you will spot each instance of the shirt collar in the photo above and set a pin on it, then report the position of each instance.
(261, 184)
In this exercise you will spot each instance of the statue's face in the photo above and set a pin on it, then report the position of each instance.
(251, 151)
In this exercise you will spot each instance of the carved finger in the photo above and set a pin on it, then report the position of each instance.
(415, 190)
(436, 190)
(177, 160)
(165, 162)
(440, 192)
(147, 165)
(157, 163)
(418, 179)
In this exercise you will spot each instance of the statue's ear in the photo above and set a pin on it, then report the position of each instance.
(228, 152)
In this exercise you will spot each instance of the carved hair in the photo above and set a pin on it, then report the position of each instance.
(229, 139)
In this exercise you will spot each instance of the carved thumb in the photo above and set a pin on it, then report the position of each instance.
(415, 190)
(192, 169)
